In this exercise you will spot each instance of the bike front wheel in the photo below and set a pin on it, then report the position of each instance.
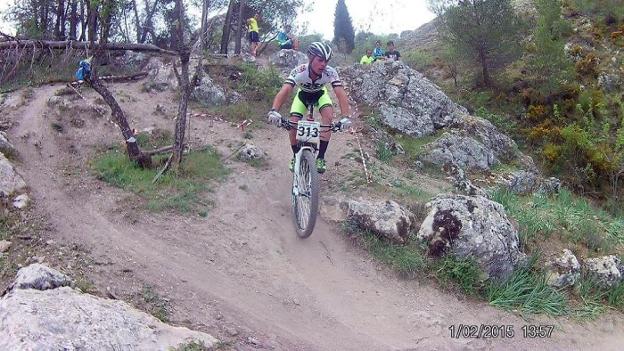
(305, 194)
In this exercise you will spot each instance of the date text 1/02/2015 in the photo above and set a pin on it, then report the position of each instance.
(488, 331)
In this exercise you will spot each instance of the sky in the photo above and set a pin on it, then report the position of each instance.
(377, 16)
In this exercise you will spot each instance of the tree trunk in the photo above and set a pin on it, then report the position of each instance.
(185, 54)
(239, 27)
(46, 19)
(132, 147)
(204, 24)
(83, 21)
(92, 13)
(148, 26)
(225, 38)
(484, 68)
(60, 10)
(73, 20)
(62, 45)
(137, 23)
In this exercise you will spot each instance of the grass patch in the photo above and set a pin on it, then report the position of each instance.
(413, 147)
(4, 227)
(155, 138)
(465, 273)
(406, 259)
(194, 345)
(85, 286)
(384, 154)
(574, 218)
(242, 111)
(157, 306)
(180, 192)
(408, 191)
(527, 291)
(595, 299)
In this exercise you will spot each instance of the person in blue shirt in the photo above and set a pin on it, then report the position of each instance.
(285, 40)
(378, 52)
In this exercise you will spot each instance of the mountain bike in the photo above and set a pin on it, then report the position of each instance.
(305, 186)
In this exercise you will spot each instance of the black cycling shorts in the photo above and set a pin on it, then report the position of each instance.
(254, 37)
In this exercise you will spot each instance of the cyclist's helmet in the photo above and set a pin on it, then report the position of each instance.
(321, 50)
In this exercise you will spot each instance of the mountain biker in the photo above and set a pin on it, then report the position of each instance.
(311, 79)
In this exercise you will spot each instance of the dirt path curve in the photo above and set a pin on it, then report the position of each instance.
(242, 266)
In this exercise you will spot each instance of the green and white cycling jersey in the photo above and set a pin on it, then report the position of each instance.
(300, 76)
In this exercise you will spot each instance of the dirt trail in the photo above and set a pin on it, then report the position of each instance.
(243, 266)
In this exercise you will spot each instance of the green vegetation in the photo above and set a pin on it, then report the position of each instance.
(258, 84)
(463, 272)
(157, 306)
(408, 259)
(527, 291)
(344, 34)
(191, 346)
(570, 217)
(488, 42)
(556, 101)
(180, 192)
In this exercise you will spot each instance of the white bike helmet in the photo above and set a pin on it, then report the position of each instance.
(321, 50)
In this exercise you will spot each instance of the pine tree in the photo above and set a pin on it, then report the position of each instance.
(486, 32)
(343, 27)
(549, 60)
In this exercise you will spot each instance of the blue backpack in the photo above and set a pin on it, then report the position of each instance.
(84, 70)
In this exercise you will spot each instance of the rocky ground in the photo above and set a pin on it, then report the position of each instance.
(240, 273)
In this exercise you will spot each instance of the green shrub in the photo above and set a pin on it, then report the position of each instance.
(180, 192)
(465, 273)
(527, 291)
(259, 84)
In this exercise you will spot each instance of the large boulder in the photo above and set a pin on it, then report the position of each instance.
(608, 271)
(286, 60)
(457, 148)
(64, 319)
(404, 96)
(5, 146)
(386, 218)
(503, 147)
(76, 110)
(39, 277)
(461, 181)
(208, 93)
(564, 270)
(250, 152)
(160, 76)
(472, 227)
(10, 181)
(526, 182)
(40, 313)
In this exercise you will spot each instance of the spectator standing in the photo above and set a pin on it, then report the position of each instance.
(392, 54)
(368, 58)
(287, 40)
(378, 52)
(254, 33)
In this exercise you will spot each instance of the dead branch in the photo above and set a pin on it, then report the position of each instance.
(76, 91)
(164, 169)
(161, 150)
(48, 44)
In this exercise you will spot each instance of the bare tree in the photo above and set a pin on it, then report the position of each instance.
(227, 26)
(239, 26)
(185, 85)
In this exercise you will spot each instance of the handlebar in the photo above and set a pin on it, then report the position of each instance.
(334, 127)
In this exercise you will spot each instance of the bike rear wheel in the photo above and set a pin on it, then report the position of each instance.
(305, 194)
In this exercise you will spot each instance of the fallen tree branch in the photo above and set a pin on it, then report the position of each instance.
(161, 150)
(164, 169)
(49, 44)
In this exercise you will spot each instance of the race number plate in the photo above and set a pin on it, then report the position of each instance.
(309, 131)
